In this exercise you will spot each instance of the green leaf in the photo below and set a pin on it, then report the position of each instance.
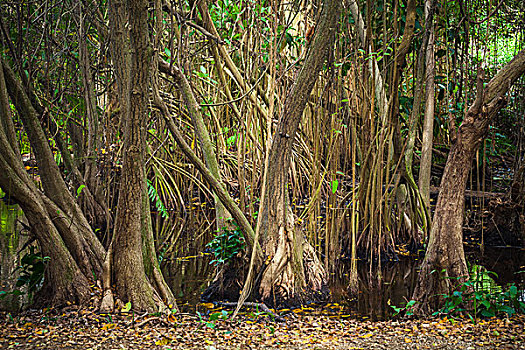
(79, 189)
(335, 184)
(126, 307)
(507, 309)
(488, 313)
(513, 291)
(231, 140)
(486, 304)
(215, 316)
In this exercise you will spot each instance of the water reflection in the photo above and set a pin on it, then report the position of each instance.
(11, 241)
(394, 286)
(188, 277)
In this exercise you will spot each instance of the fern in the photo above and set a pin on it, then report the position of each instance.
(155, 198)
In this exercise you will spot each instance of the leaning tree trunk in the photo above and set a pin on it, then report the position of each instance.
(55, 219)
(64, 281)
(294, 273)
(444, 265)
(77, 231)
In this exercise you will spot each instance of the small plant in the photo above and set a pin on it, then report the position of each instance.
(481, 296)
(155, 199)
(32, 266)
(407, 310)
(210, 323)
(226, 244)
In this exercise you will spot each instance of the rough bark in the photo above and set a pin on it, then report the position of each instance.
(428, 124)
(132, 256)
(293, 273)
(54, 186)
(444, 265)
(64, 281)
(127, 259)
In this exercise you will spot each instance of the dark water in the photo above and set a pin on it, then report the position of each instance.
(189, 277)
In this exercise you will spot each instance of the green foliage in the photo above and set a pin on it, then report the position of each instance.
(126, 307)
(155, 198)
(226, 244)
(79, 190)
(335, 184)
(256, 314)
(407, 310)
(210, 323)
(32, 267)
(480, 296)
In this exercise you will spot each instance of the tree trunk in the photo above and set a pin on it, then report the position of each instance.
(54, 186)
(64, 281)
(294, 274)
(444, 265)
(132, 257)
(428, 124)
(54, 217)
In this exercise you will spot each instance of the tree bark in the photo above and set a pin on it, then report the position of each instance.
(132, 257)
(428, 124)
(444, 265)
(68, 219)
(293, 274)
(64, 280)
(54, 185)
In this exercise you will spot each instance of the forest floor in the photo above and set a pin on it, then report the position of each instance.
(85, 329)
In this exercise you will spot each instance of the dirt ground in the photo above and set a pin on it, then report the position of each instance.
(85, 329)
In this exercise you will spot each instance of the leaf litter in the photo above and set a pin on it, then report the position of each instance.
(83, 328)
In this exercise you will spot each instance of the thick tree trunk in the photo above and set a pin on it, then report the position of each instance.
(294, 274)
(132, 257)
(444, 265)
